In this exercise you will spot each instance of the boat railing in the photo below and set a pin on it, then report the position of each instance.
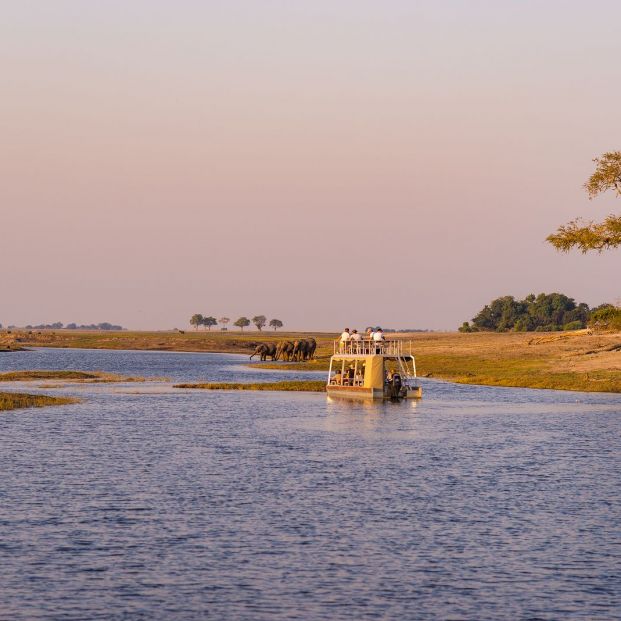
(367, 347)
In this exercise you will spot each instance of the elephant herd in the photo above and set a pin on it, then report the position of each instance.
(290, 351)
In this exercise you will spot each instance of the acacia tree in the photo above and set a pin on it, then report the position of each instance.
(259, 321)
(209, 321)
(223, 321)
(276, 323)
(594, 235)
(242, 322)
(196, 320)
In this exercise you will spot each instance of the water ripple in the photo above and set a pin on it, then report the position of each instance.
(476, 503)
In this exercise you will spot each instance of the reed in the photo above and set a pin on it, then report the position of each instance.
(74, 376)
(311, 386)
(15, 400)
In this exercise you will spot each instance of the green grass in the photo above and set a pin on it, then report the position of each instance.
(518, 372)
(15, 400)
(312, 386)
(77, 376)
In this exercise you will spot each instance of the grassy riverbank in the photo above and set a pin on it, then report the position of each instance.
(312, 386)
(194, 341)
(15, 400)
(561, 360)
(71, 376)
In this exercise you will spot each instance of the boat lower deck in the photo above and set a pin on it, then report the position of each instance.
(363, 392)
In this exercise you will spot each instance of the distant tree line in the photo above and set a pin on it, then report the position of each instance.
(70, 326)
(546, 312)
(260, 321)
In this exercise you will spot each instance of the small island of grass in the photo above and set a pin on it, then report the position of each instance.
(72, 376)
(15, 400)
(308, 386)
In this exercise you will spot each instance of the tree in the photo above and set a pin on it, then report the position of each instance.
(223, 321)
(594, 235)
(540, 313)
(196, 320)
(209, 321)
(242, 322)
(276, 323)
(259, 321)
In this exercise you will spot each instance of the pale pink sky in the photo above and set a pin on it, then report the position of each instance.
(328, 163)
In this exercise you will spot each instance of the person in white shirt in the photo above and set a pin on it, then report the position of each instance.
(378, 337)
(345, 337)
(355, 336)
(355, 339)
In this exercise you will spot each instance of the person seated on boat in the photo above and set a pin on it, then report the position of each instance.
(345, 338)
(337, 378)
(378, 337)
(355, 339)
(359, 379)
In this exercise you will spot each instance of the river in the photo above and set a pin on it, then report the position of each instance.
(150, 502)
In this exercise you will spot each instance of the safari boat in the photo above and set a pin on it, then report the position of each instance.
(373, 370)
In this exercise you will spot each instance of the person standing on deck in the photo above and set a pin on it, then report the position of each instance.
(355, 339)
(378, 338)
(345, 338)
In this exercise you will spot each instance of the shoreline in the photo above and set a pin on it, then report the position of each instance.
(553, 361)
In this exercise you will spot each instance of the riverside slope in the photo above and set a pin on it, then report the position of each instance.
(559, 360)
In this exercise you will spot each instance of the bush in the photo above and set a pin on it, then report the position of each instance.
(573, 325)
(549, 328)
(606, 317)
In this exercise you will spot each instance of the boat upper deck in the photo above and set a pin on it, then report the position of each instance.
(393, 348)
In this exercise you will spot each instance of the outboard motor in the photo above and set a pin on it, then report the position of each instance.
(396, 386)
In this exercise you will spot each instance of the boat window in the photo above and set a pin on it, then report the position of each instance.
(348, 373)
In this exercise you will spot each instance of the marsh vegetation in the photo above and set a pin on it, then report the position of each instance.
(307, 386)
(16, 400)
(72, 376)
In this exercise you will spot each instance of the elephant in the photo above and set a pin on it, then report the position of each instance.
(264, 350)
(300, 350)
(312, 346)
(284, 350)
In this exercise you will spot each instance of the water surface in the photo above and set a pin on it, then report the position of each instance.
(148, 502)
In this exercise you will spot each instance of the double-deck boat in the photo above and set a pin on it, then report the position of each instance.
(373, 370)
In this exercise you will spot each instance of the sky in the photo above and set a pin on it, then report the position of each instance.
(329, 163)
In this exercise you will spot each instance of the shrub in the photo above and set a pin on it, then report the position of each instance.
(573, 325)
(606, 317)
(549, 328)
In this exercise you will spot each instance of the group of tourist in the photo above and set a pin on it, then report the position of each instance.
(354, 337)
(350, 377)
